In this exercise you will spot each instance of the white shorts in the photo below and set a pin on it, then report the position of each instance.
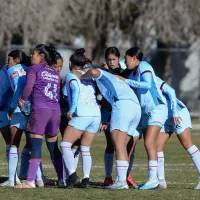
(4, 121)
(156, 117)
(185, 122)
(125, 116)
(89, 124)
(18, 120)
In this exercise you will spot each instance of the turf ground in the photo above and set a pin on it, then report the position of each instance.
(181, 176)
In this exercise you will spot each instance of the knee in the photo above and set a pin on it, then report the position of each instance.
(149, 145)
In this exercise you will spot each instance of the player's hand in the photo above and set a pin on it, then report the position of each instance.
(105, 66)
(120, 77)
(103, 127)
(10, 113)
(69, 115)
(177, 120)
(21, 103)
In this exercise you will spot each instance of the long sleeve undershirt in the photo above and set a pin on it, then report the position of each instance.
(145, 84)
(75, 91)
(30, 81)
(170, 92)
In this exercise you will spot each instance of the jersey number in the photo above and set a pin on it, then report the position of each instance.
(51, 94)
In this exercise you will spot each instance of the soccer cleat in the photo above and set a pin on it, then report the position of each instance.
(39, 183)
(72, 180)
(85, 183)
(130, 181)
(119, 185)
(198, 186)
(162, 184)
(26, 184)
(48, 181)
(149, 185)
(7, 183)
(108, 181)
(61, 184)
(18, 182)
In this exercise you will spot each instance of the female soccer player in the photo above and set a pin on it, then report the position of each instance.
(43, 83)
(84, 116)
(114, 66)
(179, 121)
(122, 98)
(154, 108)
(18, 62)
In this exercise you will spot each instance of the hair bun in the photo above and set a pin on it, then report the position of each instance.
(80, 51)
(51, 48)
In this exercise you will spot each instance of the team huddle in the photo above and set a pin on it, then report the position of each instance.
(123, 98)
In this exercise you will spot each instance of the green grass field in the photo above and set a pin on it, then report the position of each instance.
(181, 176)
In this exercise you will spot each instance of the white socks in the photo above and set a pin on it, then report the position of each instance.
(68, 157)
(195, 154)
(13, 161)
(131, 163)
(7, 152)
(161, 167)
(153, 168)
(108, 163)
(76, 156)
(39, 175)
(86, 161)
(25, 156)
(122, 167)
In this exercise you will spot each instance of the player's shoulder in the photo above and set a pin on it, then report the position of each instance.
(36, 67)
(69, 76)
(145, 66)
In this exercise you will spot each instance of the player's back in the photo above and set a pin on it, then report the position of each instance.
(46, 90)
(114, 89)
(17, 75)
(87, 101)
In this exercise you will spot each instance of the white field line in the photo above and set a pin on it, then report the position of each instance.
(140, 166)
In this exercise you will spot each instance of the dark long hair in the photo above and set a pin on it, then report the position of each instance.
(24, 59)
(78, 58)
(135, 51)
(112, 50)
(49, 52)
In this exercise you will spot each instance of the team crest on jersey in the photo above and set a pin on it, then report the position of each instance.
(14, 75)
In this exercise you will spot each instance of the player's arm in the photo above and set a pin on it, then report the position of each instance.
(17, 91)
(170, 92)
(75, 96)
(92, 73)
(30, 81)
(146, 82)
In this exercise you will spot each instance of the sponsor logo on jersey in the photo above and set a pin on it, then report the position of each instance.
(14, 75)
(48, 76)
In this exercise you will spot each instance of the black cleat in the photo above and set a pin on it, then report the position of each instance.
(72, 180)
(85, 183)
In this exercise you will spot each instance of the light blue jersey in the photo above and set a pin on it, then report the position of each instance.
(144, 82)
(174, 105)
(17, 77)
(81, 96)
(114, 89)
